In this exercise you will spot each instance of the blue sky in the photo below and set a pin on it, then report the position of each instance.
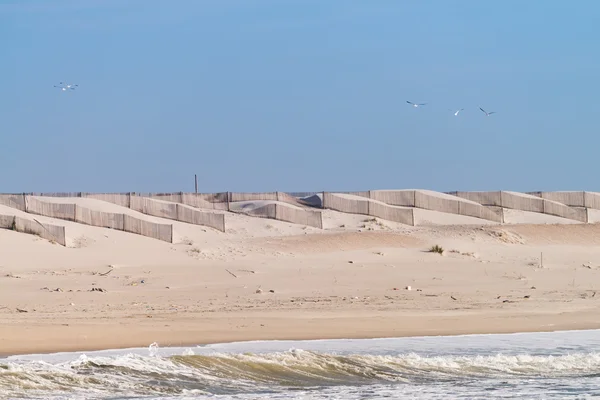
(299, 95)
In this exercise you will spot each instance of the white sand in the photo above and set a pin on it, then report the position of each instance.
(528, 217)
(428, 217)
(336, 282)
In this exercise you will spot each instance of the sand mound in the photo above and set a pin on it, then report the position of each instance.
(506, 236)
(339, 221)
(427, 217)
(74, 230)
(527, 217)
(558, 234)
(333, 242)
(237, 225)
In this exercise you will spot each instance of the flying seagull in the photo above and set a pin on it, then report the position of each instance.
(416, 104)
(64, 87)
(487, 114)
(456, 112)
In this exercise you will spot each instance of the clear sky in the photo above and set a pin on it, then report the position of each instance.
(299, 95)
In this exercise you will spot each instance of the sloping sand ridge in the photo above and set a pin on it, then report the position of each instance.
(267, 279)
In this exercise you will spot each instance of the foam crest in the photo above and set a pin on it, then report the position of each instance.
(131, 374)
(400, 367)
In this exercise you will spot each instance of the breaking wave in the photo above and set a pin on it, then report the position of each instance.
(220, 374)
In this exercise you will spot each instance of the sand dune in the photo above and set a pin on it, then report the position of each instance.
(320, 280)
(428, 217)
(528, 217)
(268, 279)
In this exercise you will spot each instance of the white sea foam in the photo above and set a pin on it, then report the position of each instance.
(557, 364)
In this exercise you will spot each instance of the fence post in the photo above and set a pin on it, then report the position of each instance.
(587, 215)
(64, 236)
(543, 206)
(223, 219)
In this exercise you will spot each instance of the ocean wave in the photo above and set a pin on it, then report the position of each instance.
(271, 372)
(305, 366)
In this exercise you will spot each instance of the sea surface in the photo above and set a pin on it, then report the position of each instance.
(555, 365)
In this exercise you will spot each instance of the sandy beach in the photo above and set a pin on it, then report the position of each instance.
(266, 279)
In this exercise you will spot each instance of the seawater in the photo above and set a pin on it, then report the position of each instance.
(554, 365)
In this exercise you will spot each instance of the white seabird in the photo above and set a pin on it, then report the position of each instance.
(456, 112)
(416, 104)
(64, 87)
(487, 114)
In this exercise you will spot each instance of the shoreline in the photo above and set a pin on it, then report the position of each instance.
(100, 337)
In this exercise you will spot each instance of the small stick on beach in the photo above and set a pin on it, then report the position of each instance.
(231, 273)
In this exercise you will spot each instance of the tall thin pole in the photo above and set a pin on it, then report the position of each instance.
(196, 182)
